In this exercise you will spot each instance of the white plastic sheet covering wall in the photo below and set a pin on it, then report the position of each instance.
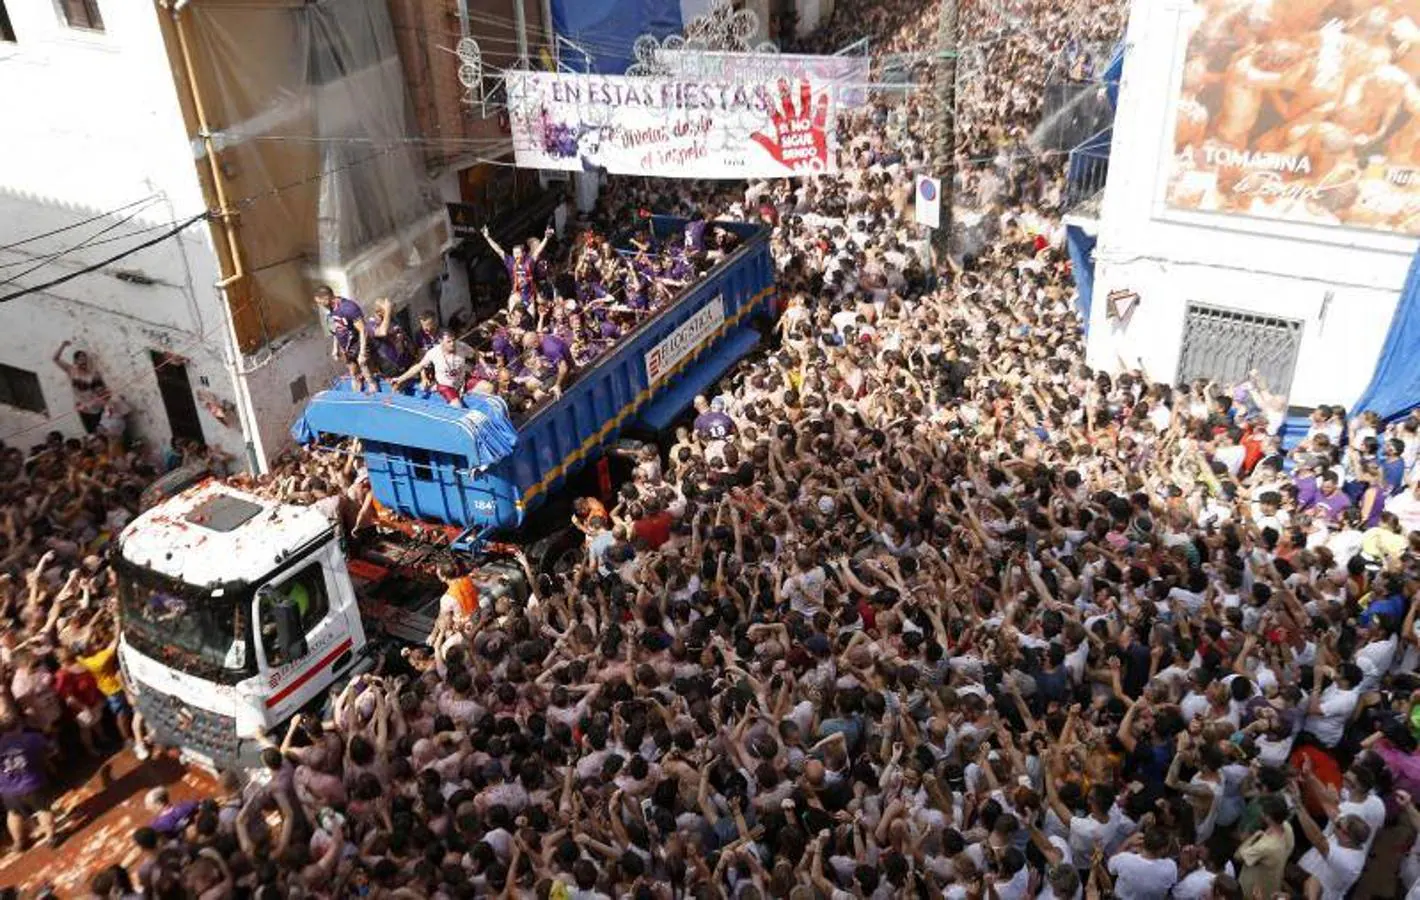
(315, 135)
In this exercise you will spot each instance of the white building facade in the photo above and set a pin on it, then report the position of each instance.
(95, 156)
(1332, 287)
(102, 152)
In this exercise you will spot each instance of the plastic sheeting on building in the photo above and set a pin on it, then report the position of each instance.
(1395, 385)
(1082, 265)
(313, 128)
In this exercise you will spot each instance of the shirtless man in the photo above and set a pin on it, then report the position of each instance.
(1372, 103)
(1253, 75)
(1272, 19)
(1193, 116)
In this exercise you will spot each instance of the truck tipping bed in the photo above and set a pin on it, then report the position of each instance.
(476, 468)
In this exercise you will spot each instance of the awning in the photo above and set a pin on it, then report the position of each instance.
(1395, 384)
(482, 433)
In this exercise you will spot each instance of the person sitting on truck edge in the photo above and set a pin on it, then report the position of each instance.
(349, 336)
(450, 359)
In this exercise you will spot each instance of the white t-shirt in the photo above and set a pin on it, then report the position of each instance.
(449, 368)
(1087, 833)
(1139, 878)
(1329, 723)
(1337, 871)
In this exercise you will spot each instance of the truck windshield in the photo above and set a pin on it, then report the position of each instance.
(185, 627)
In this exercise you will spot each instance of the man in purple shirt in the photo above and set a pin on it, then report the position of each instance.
(23, 779)
(712, 424)
(554, 351)
(1331, 501)
(428, 334)
(1306, 483)
(349, 338)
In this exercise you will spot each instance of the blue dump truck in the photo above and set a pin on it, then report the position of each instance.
(238, 612)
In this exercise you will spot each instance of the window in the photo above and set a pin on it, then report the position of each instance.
(307, 590)
(20, 388)
(82, 14)
(7, 31)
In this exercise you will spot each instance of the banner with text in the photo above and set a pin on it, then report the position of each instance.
(848, 76)
(673, 128)
(1292, 114)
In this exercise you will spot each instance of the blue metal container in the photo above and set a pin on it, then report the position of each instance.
(473, 468)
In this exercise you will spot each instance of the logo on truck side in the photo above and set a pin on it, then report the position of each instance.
(685, 340)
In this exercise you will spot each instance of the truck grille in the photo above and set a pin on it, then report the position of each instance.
(175, 723)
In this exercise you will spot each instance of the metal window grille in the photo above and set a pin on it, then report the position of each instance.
(1225, 345)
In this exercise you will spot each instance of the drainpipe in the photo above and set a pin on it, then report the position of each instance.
(520, 16)
(227, 216)
(463, 18)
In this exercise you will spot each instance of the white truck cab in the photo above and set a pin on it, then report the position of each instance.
(236, 613)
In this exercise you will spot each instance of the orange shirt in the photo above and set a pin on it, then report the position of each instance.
(465, 593)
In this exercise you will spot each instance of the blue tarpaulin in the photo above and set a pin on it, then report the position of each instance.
(1082, 264)
(481, 432)
(1395, 385)
(607, 29)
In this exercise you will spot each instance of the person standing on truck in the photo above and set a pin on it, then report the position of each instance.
(449, 358)
(349, 336)
(521, 266)
(428, 335)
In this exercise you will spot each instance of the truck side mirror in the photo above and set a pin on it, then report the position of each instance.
(290, 636)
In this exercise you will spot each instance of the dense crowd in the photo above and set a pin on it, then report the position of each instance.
(919, 605)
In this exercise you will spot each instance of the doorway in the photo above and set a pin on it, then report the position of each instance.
(178, 402)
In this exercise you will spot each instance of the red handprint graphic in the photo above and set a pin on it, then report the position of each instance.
(800, 137)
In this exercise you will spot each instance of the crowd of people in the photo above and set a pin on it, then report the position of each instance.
(918, 605)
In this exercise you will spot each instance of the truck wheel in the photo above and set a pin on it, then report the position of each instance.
(557, 554)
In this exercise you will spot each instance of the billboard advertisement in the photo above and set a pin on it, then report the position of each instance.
(673, 128)
(1290, 111)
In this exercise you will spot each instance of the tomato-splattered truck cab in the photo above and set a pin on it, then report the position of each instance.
(236, 612)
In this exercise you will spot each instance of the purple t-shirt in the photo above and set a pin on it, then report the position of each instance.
(1334, 505)
(1307, 492)
(22, 763)
(342, 319)
(174, 818)
(554, 349)
(715, 425)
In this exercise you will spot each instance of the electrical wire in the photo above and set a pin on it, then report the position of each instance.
(99, 265)
(113, 240)
(93, 218)
(79, 246)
